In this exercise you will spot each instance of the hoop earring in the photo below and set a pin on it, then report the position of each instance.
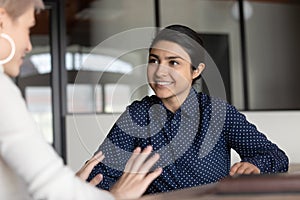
(13, 48)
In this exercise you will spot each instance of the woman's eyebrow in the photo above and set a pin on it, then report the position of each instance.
(167, 58)
(153, 55)
(174, 57)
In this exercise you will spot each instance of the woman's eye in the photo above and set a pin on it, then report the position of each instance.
(173, 62)
(151, 60)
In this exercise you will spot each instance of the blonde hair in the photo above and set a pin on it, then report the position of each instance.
(15, 8)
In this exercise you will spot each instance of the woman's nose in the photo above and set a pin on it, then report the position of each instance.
(162, 70)
(29, 46)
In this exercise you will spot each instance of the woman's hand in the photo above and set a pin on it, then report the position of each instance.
(243, 168)
(85, 171)
(136, 177)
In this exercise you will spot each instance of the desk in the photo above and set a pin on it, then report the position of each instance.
(294, 168)
(246, 187)
(233, 197)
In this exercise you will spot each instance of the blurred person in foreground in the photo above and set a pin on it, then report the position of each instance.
(29, 166)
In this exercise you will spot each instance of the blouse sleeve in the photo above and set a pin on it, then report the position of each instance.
(252, 145)
(25, 151)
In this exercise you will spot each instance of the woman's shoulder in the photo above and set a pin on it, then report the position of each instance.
(7, 85)
(215, 103)
(140, 108)
(206, 99)
(9, 91)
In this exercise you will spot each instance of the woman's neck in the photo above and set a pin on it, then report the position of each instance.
(175, 102)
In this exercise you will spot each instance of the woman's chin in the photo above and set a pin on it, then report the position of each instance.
(13, 72)
(164, 95)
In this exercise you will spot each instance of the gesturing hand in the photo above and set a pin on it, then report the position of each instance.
(136, 177)
(85, 171)
(243, 168)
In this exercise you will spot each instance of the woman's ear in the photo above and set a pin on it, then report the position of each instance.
(198, 71)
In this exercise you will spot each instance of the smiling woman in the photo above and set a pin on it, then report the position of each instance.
(192, 131)
(169, 73)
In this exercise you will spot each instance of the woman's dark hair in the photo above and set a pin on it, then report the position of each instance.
(186, 38)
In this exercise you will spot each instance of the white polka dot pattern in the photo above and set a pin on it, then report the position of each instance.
(203, 159)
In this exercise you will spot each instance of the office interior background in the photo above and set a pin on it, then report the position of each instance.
(76, 102)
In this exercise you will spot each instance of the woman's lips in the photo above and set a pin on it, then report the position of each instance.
(163, 83)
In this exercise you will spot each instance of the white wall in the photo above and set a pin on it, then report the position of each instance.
(86, 132)
(84, 135)
(281, 127)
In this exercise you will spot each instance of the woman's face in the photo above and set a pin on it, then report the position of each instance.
(19, 30)
(169, 71)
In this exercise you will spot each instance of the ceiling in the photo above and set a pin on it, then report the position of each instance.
(74, 7)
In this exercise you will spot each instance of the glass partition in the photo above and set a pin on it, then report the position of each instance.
(104, 64)
(273, 41)
(215, 21)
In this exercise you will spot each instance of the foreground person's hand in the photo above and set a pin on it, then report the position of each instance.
(85, 171)
(136, 177)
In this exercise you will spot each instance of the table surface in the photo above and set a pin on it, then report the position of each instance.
(229, 197)
(284, 186)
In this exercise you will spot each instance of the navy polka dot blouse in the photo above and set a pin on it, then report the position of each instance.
(194, 142)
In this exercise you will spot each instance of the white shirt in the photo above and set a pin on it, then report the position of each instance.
(29, 167)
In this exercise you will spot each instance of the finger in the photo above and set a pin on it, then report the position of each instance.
(130, 161)
(249, 170)
(151, 176)
(242, 168)
(141, 159)
(146, 166)
(234, 169)
(88, 167)
(252, 170)
(96, 180)
(96, 158)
